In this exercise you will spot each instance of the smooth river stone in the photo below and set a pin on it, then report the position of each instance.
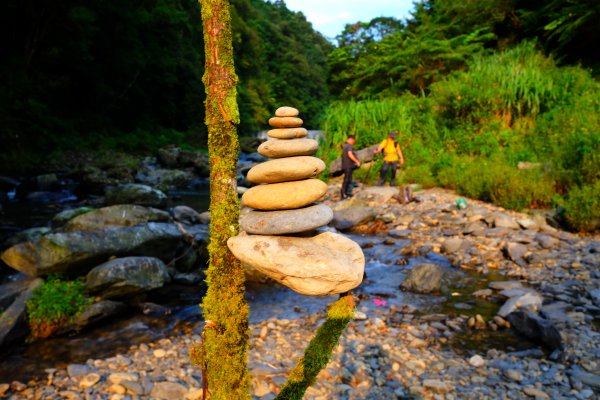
(285, 122)
(284, 195)
(326, 264)
(286, 221)
(287, 133)
(288, 148)
(286, 169)
(287, 112)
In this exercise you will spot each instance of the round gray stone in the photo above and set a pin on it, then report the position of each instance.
(286, 221)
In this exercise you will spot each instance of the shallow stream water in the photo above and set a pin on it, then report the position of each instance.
(380, 290)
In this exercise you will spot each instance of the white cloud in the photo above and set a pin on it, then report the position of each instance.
(330, 16)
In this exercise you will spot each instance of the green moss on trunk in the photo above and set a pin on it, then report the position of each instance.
(317, 354)
(224, 304)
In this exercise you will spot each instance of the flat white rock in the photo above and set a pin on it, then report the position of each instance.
(321, 265)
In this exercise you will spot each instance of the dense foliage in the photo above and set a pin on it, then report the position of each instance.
(53, 304)
(475, 127)
(88, 74)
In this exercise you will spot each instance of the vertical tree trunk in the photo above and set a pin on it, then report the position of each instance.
(224, 305)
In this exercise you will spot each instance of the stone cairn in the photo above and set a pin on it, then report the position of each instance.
(278, 235)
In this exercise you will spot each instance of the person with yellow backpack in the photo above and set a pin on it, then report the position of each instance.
(392, 155)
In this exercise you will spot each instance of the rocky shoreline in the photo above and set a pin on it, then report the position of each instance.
(393, 349)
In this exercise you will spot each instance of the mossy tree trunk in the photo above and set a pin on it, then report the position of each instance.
(226, 342)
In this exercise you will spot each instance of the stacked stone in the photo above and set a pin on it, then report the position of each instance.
(282, 204)
(288, 186)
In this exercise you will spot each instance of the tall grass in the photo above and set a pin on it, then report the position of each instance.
(477, 125)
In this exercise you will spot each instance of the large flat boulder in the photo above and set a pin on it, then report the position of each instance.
(324, 264)
(115, 216)
(75, 253)
(126, 276)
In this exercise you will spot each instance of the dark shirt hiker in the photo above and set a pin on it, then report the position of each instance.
(349, 162)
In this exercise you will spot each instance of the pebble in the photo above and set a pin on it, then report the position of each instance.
(477, 361)
(538, 394)
(89, 380)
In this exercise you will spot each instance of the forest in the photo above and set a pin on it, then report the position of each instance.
(470, 83)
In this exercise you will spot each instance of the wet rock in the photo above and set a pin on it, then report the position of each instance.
(12, 320)
(350, 217)
(324, 264)
(483, 293)
(133, 193)
(529, 300)
(115, 216)
(286, 221)
(198, 161)
(284, 195)
(77, 252)
(126, 276)
(424, 278)
(27, 235)
(95, 313)
(168, 156)
(65, 216)
(186, 215)
(164, 179)
(534, 327)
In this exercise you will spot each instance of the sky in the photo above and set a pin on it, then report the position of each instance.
(330, 16)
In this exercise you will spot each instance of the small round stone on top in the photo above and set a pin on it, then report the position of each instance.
(287, 112)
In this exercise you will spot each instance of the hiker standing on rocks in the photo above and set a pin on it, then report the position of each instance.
(349, 162)
(392, 154)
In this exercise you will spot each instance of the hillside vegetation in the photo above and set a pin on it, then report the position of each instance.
(477, 90)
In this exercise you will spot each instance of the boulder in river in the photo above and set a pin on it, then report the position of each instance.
(75, 253)
(115, 216)
(325, 264)
(126, 276)
(185, 215)
(28, 234)
(424, 278)
(350, 217)
(12, 320)
(96, 312)
(537, 328)
(65, 216)
(133, 193)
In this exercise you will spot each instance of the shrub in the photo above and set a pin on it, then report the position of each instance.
(53, 304)
(582, 207)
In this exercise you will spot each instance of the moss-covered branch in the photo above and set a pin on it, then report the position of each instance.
(317, 354)
(226, 345)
